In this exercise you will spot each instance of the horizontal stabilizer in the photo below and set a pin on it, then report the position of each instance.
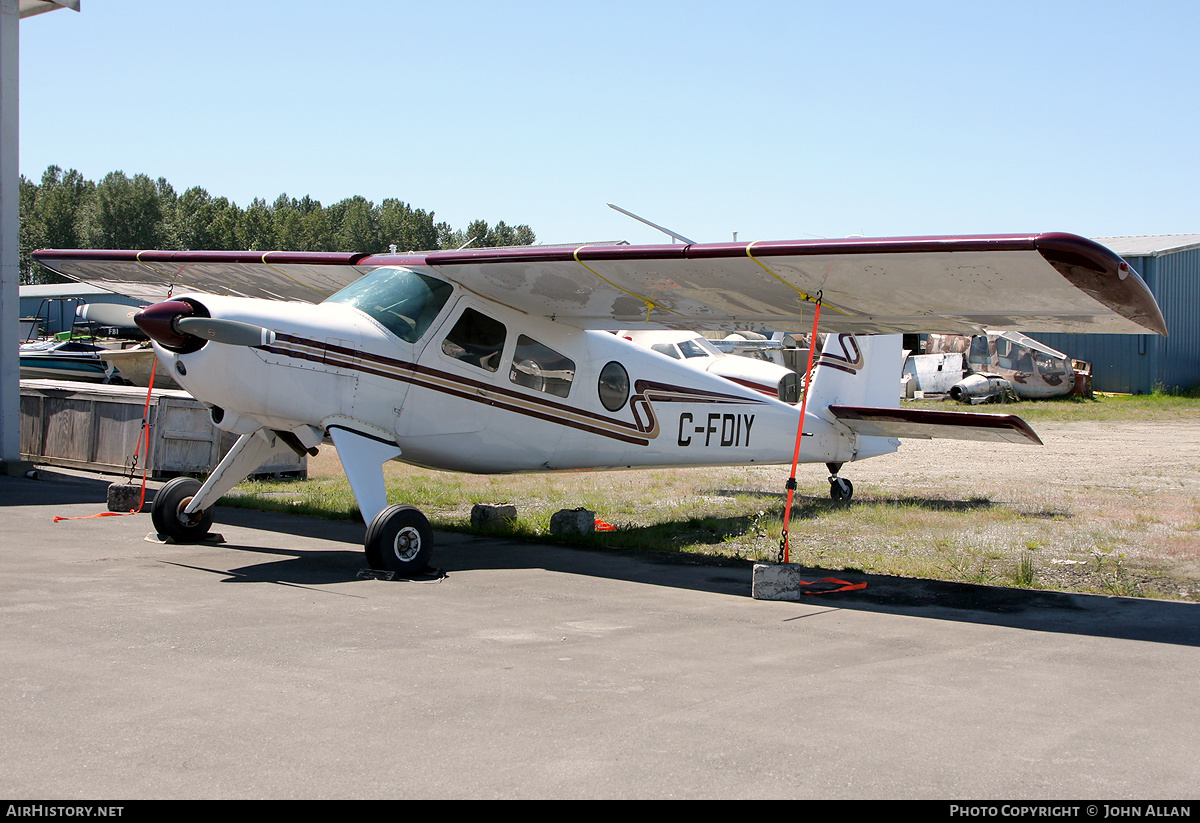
(869, 421)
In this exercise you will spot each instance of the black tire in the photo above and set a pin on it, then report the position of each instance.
(167, 512)
(841, 489)
(399, 540)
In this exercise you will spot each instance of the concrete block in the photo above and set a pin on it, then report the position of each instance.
(489, 516)
(788, 582)
(774, 582)
(123, 497)
(573, 521)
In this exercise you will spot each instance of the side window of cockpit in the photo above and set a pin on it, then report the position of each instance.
(476, 339)
(979, 355)
(541, 368)
(666, 348)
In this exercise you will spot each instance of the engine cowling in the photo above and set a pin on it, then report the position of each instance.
(982, 387)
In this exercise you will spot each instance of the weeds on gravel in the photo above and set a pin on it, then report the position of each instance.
(1025, 574)
(965, 523)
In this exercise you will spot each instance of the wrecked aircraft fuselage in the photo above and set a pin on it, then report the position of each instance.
(1032, 369)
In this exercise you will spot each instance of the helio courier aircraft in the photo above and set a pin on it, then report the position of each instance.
(502, 360)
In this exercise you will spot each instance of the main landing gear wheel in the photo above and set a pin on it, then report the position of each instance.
(399, 540)
(167, 512)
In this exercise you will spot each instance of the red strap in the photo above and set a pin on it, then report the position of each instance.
(842, 585)
(791, 485)
(137, 449)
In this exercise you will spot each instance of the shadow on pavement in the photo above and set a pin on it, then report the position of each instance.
(1090, 615)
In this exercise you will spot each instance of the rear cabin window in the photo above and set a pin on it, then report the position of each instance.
(476, 339)
(539, 367)
(613, 386)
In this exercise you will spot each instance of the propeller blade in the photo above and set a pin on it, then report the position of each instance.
(108, 314)
(230, 332)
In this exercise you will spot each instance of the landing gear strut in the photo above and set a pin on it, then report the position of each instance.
(839, 487)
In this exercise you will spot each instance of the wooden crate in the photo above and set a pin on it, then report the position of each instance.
(98, 427)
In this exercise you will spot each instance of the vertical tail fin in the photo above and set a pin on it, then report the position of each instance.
(857, 370)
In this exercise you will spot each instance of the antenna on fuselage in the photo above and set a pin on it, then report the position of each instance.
(673, 235)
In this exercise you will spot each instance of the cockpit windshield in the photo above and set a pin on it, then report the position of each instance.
(698, 347)
(402, 300)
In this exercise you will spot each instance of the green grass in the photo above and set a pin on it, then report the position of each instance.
(973, 540)
(1158, 405)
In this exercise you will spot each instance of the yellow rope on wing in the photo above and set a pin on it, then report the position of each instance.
(138, 259)
(803, 294)
(173, 281)
(650, 304)
(289, 277)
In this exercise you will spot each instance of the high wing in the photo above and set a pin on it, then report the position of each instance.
(150, 275)
(956, 285)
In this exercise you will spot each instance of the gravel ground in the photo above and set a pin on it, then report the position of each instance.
(1110, 506)
(1135, 457)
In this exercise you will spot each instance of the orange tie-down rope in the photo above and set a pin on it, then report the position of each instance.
(784, 548)
(842, 585)
(144, 437)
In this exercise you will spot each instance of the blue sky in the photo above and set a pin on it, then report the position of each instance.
(776, 120)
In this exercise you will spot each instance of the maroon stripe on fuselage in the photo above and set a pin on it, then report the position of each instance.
(500, 397)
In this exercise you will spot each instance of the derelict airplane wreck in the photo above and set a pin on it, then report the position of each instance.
(502, 360)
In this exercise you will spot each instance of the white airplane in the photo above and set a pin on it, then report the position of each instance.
(692, 349)
(501, 360)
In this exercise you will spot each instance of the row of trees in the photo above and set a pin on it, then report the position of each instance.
(65, 211)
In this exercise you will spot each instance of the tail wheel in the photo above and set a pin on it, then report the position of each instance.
(840, 488)
(399, 540)
(169, 518)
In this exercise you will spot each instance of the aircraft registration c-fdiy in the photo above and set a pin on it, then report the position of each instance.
(504, 360)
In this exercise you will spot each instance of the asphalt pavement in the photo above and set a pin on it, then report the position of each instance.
(265, 666)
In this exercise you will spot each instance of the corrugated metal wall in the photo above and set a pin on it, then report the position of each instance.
(1178, 293)
(1136, 363)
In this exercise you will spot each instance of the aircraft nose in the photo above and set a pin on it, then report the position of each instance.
(158, 322)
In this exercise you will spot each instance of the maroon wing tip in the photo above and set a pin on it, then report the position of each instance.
(1103, 275)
